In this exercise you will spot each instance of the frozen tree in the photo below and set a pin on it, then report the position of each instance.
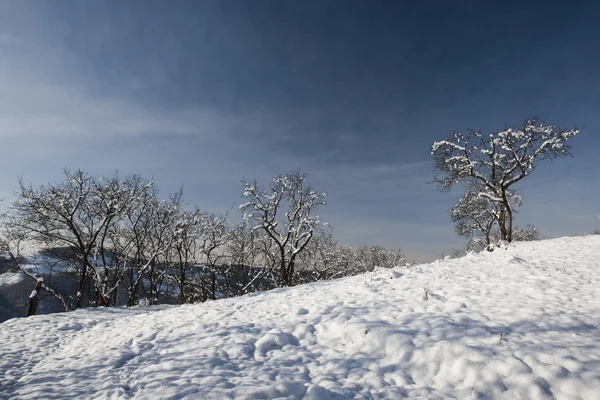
(268, 263)
(499, 160)
(215, 232)
(10, 243)
(242, 246)
(284, 210)
(199, 255)
(476, 215)
(184, 254)
(114, 247)
(113, 232)
(366, 258)
(74, 214)
(526, 234)
(154, 229)
(245, 248)
(324, 258)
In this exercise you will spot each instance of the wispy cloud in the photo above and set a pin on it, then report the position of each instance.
(205, 98)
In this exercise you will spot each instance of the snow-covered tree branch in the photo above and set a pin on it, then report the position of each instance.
(497, 161)
(284, 210)
(476, 213)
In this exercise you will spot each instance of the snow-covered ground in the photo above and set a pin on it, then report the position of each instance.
(521, 323)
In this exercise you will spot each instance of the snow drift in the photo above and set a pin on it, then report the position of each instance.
(520, 323)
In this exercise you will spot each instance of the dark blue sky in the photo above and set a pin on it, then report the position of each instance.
(203, 93)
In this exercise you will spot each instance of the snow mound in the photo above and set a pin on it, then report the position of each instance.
(520, 323)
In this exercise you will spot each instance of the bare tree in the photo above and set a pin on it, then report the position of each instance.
(244, 250)
(324, 259)
(214, 234)
(267, 260)
(475, 215)
(526, 234)
(184, 254)
(113, 248)
(366, 258)
(284, 210)
(499, 160)
(82, 222)
(10, 243)
(73, 214)
(153, 229)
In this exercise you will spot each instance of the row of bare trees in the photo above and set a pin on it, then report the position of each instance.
(119, 243)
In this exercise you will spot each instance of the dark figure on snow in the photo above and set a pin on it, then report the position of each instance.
(33, 297)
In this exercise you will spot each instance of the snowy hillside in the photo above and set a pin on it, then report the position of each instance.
(521, 323)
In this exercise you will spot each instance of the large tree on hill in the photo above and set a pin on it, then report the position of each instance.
(498, 161)
(284, 210)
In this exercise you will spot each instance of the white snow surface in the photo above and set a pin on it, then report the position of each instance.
(520, 323)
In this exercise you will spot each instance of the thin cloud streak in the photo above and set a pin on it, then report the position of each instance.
(250, 95)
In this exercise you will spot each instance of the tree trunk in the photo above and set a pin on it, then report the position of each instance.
(284, 275)
(244, 275)
(510, 226)
(99, 299)
(182, 284)
(506, 214)
(81, 286)
(290, 274)
(33, 302)
(133, 287)
(152, 284)
(488, 232)
(502, 222)
(213, 283)
(131, 278)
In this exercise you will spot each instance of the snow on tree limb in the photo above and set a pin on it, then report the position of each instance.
(499, 160)
(292, 230)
